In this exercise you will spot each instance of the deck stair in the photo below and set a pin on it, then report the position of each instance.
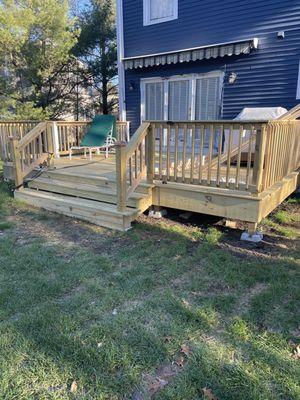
(87, 197)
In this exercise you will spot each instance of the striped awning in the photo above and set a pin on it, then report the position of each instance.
(195, 54)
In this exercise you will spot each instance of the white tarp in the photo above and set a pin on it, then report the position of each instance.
(261, 114)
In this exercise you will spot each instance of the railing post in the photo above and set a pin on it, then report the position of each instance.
(50, 146)
(150, 146)
(55, 140)
(259, 158)
(121, 179)
(16, 158)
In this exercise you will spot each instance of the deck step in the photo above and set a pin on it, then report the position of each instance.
(95, 180)
(103, 194)
(86, 191)
(96, 212)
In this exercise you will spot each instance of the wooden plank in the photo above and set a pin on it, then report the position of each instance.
(245, 209)
(229, 155)
(32, 134)
(136, 139)
(193, 154)
(184, 152)
(210, 152)
(168, 153)
(219, 154)
(176, 152)
(239, 154)
(202, 133)
(121, 175)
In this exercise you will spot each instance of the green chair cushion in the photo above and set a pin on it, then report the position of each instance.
(99, 130)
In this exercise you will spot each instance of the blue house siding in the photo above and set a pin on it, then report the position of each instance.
(206, 22)
(266, 77)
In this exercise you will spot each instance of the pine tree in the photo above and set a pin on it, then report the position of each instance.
(36, 39)
(98, 51)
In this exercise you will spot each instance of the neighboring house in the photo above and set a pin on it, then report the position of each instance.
(206, 59)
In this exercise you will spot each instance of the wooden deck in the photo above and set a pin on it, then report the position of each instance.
(232, 169)
(86, 189)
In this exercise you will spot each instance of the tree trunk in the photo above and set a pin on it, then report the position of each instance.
(105, 109)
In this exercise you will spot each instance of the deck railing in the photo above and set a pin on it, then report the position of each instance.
(282, 152)
(245, 156)
(13, 129)
(23, 145)
(71, 133)
(248, 156)
(67, 134)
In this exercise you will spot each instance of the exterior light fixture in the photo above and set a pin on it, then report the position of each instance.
(131, 85)
(232, 78)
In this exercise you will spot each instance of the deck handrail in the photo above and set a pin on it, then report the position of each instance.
(292, 114)
(31, 150)
(131, 164)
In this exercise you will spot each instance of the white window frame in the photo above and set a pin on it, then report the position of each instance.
(192, 82)
(298, 85)
(147, 14)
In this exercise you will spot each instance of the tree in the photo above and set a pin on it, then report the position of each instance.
(36, 39)
(97, 49)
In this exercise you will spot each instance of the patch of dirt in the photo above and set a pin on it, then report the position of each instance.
(153, 383)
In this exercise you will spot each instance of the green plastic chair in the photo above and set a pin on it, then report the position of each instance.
(101, 135)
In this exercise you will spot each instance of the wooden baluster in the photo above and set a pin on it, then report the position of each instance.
(239, 156)
(220, 142)
(168, 153)
(160, 167)
(228, 168)
(176, 153)
(135, 165)
(141, 157)
(193, 154)
(210, 154)
(130, 171)
(249, 157)
(201, 145)
(184, 152)
(121, 175)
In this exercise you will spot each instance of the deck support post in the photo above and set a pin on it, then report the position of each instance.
(121, 178)
(16, 158)
(252, 235)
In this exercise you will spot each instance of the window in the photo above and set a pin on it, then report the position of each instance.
(156, 11)
(189, 97)
(207, 98)
(298, 86)
(179, 100)
(154, 101)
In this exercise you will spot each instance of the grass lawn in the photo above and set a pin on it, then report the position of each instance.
(169, 310)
